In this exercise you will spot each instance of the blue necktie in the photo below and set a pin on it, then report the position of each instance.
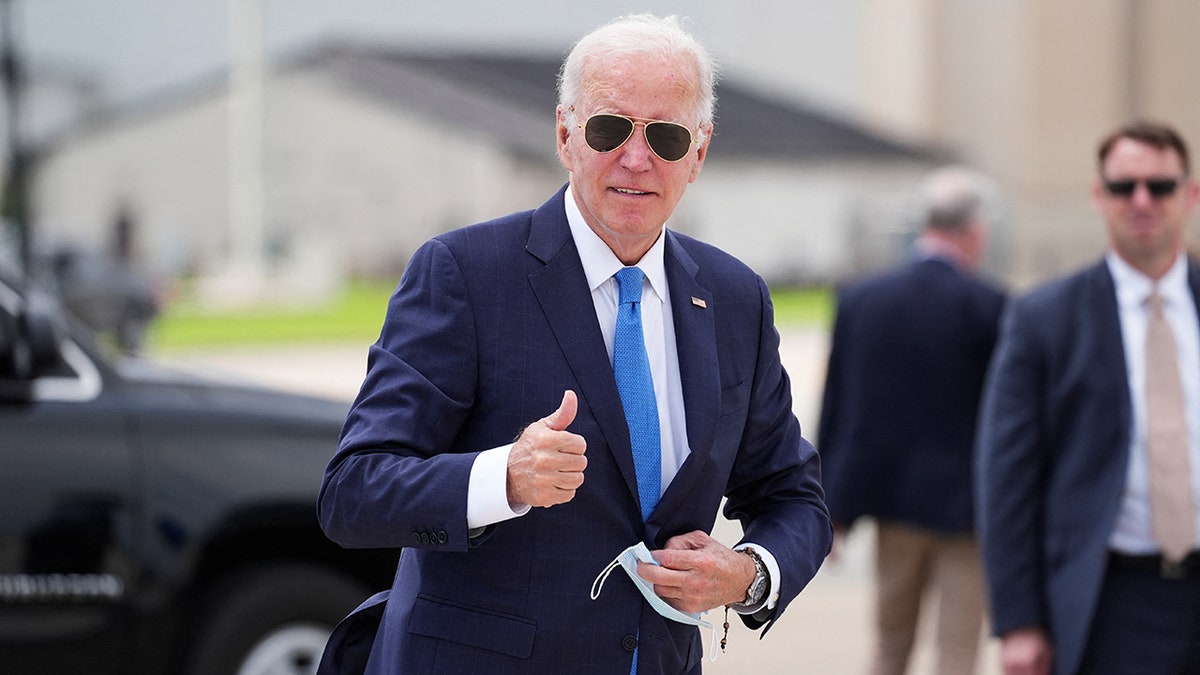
(631, 368)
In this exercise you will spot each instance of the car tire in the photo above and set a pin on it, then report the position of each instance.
(272, 619)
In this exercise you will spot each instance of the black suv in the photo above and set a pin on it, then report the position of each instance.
(152, 523)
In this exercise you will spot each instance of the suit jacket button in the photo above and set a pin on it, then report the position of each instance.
(442, 537)
(629, 643)
(425, 538)
(416, 538)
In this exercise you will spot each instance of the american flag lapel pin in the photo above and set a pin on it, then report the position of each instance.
(699, 302)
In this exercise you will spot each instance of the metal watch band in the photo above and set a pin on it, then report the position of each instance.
(758, 587)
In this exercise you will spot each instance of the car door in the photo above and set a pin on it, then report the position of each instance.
(66, 518)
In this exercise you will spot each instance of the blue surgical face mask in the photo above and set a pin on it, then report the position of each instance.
(628, 559)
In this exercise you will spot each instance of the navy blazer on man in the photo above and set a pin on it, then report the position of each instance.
(1053, 450)
(910, 349)
(490, 324)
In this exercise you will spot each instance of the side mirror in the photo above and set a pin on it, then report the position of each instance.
(11, 352)
(30, 339)
(43, 329)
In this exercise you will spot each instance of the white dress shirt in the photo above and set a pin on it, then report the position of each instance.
(1133, 534)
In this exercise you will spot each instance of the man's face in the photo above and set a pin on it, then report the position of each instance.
(1145, 230)
(627, 194)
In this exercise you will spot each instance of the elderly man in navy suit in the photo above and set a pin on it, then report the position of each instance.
(1089, 442)
(910, 348)
(638, 371)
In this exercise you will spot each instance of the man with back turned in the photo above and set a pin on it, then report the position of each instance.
(909, 351)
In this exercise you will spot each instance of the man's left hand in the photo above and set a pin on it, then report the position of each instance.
(698, 573)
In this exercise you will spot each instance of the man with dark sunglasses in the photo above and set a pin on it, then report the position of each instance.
(639, 372)
(1088, 460)
(1157, 187)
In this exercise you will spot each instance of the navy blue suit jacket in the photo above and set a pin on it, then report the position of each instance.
(909, 352)
(488, 327)
(1053, 450)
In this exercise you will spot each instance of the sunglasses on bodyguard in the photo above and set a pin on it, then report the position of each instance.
(1157, 187)
(605, 132)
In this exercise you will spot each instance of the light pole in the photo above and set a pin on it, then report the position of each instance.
(15, 206)
(247, 239)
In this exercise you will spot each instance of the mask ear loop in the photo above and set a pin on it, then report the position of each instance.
(712, 642)
(598, 583)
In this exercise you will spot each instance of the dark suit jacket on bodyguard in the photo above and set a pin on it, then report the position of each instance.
(909, 351)
(490, 324)
(1053, 452)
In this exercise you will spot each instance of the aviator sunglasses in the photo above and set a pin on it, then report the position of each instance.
(1157, 187)
(605, 132)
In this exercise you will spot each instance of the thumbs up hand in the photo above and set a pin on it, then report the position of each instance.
(545, 465)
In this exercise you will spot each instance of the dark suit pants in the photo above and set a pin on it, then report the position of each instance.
(1145, 624)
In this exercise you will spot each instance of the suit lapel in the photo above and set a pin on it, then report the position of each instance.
(695, 340)
(1193, 279)
(1110, 346)
(561, 290)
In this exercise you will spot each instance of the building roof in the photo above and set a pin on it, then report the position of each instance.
(513, 96)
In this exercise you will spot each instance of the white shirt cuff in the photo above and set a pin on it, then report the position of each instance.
(772, 596)
(487, 490)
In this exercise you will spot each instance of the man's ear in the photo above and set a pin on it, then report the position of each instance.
(1192, 193)
(701, 151)
(562, 132)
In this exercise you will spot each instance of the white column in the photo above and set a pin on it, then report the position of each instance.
(246, 214)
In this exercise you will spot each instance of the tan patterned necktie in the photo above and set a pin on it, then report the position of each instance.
(1171, 508)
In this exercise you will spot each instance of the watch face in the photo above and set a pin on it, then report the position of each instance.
(756, 590)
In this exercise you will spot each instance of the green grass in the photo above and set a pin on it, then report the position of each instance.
(357, 315)
(802, 306)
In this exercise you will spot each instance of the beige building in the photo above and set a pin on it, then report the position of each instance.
(1022, 89)
(1025, 89)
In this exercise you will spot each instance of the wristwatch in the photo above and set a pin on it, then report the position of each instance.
(758, 587)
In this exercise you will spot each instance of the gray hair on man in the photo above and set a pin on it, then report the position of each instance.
(640, 34)
(953, 197)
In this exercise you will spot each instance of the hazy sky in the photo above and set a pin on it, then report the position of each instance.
(139, 46)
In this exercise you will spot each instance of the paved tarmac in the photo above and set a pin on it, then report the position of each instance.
(825, 631)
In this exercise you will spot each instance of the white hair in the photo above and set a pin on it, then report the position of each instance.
(639, 34)
(954, 196)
